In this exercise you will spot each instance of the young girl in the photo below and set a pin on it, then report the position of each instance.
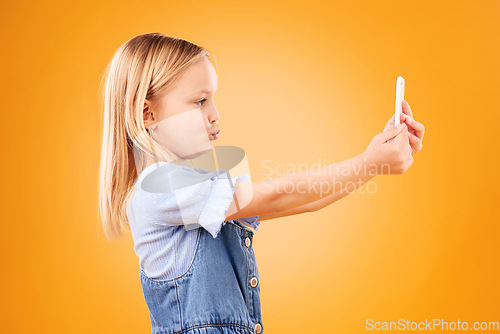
(193, 227)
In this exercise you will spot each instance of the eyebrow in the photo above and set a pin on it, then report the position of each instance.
(204, 91)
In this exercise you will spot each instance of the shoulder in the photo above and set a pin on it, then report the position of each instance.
(165, 177)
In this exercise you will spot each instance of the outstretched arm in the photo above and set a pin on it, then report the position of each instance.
(310, 207)
(295, 193)
(415, 133)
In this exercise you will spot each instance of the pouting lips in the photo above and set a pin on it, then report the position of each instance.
(215, 134)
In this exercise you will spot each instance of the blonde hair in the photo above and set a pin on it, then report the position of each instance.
(144, 67)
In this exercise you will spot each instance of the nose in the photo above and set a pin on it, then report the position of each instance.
(213, 116)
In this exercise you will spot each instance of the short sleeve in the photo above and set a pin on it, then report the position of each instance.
(212, 217)
(183, 196)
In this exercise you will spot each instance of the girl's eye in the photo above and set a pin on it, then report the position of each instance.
(201, 101)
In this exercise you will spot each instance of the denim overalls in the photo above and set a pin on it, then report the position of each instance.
(219, 292)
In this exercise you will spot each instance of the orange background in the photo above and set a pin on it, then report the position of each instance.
(299, 83)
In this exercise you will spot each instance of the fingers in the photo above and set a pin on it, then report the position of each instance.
(415, 143)
(406, 108)
(408, 156)
(401, 138)
(403, 116)
(393, 132)
(415, 127)
(409, 149)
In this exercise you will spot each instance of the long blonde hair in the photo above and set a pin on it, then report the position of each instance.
(144, 67)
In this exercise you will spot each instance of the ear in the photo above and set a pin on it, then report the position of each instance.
(147, 114)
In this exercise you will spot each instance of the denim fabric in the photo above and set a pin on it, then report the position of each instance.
(219, 292)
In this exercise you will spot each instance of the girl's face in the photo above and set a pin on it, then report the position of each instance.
(184, 119)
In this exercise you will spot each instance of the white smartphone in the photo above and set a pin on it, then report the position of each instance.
(400, 95)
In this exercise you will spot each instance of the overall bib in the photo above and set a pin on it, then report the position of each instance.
(219, 292)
